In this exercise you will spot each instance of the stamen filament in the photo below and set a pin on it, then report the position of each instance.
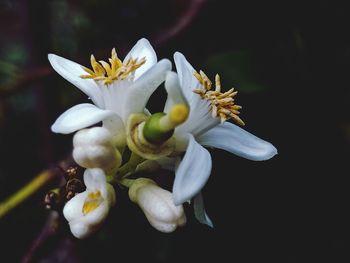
(114, 70)
(221, 104)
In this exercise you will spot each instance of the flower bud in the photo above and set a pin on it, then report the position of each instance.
(157, 205)
(93, 148)
(87, 211)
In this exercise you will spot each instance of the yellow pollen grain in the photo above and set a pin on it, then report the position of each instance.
(114, 70)
(93, 200)
(221, 104)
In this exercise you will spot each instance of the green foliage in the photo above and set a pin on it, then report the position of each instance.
(13, 57)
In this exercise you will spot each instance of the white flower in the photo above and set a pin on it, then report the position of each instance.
(157, 204)
(86, 211)
(94, 148)
(206, 126)
(117, 89)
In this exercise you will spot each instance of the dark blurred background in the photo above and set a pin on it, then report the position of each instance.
(290, 61)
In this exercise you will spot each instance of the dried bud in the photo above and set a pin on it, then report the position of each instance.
(52, 200)
(71, 172)
(73, 187)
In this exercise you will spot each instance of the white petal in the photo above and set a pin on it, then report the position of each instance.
(142, 49)
(142, 89)
(200, 119)
(232, 138)
(188, 81)
(80, 230)
(95, 179)
(79, 117)
(73, 208)
(192, 173)
(111, 195)
(116, 127)
(72, 71)
(173, 88)
(199, 210)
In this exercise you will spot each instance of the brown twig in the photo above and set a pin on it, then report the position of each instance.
(51, 226)
(183, 21)
(48, 230)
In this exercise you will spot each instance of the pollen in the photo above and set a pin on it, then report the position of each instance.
(114, 70)
(222, 104)
(92, 201)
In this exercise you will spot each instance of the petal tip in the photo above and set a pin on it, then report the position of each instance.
(178, 54)
(54, 128)
(178, 200)
(51, 57)
(270, 152)
(165, 64)
(144, 41)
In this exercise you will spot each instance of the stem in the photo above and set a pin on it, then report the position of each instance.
(127, 182)
(184, 20)
(126, 169)
(26, 191)
(49, 229)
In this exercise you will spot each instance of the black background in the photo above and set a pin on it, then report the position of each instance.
(292, 208)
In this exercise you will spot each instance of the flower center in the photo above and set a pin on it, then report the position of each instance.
(222, 104)
(92, 201)
(114, 70)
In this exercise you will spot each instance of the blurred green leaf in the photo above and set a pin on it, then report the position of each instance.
(8, 68)
(236, 69)
(8, 74)
(16, 54)
(13, 57)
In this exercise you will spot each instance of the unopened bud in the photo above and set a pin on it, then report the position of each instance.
(157, 205)
(93, 148)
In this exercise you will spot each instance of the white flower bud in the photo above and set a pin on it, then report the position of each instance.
(93, 148)
(86, 211)
(157, 205)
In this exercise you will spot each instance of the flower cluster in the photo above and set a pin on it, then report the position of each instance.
(118, 124)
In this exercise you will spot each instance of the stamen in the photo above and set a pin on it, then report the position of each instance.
(221, 104)
(217, 83)
(114, 70)
(92, 201)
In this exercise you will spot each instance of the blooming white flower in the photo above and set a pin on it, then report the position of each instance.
(86, 211)
(117, 89)
(206, 126)
(157, 204)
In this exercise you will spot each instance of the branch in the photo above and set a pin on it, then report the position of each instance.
(183, 21)
(41, 180)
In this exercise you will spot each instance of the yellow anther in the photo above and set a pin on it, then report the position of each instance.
(221, 104)
(92, 201)
(178, 114)
(115, 70)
